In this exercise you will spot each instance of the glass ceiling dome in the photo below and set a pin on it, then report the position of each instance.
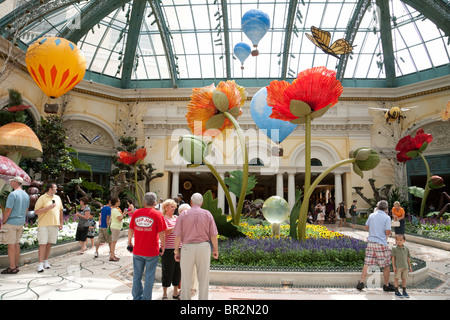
(189, 43)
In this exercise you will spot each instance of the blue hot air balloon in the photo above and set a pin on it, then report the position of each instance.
(242, 51)
(255, 24)
(277, 130)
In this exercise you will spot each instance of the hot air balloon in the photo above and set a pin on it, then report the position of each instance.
(242, 51)
(255, 24)
(56, 65)
(277, 130)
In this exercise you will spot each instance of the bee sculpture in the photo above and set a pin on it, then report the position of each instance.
(394, 113)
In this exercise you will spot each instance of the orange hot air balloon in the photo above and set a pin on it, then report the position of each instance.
(56, 65)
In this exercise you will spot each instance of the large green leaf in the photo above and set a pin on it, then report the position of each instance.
(416, 191)
(234, 182)
(224, 227)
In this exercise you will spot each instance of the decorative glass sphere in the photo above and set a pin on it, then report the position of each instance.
(275, 209)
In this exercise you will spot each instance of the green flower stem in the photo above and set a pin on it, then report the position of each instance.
(307, 152)
(240, 135)
(427, 188)
(136, 186)
(223, 185)
(305, 204)
(301, 227)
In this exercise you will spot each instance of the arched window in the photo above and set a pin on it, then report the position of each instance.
(256, 162)
(316, 162)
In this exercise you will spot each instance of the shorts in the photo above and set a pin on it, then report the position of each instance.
(47, 235)
(401, 273)
(13, 233)
(103, 236)
(377, 254)
(115, 233)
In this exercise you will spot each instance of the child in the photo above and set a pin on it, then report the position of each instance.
(401, 263)
(91, 231)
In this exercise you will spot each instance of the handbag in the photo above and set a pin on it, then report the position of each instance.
(395, 223)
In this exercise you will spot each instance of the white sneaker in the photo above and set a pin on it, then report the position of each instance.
(40, 267)
(46, 264)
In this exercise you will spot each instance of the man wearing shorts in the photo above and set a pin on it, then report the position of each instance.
(17, 205)
(104, 221)
(378, 252)
(49, 210)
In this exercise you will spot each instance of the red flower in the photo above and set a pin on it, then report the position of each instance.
(317, 87)
(409, 147)
(130, 158)
(18, 108)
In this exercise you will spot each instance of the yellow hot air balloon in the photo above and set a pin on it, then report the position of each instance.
(56, 65)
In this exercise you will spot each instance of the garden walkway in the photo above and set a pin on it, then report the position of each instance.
(77, 277)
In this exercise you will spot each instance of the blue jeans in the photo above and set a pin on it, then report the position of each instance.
(139, 263)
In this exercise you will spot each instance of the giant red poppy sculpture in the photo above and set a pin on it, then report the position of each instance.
(213, 112)
(409, 148)
(310, 96)
(133, 160)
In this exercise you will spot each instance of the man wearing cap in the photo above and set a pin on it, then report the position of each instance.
(17, 205)
(49, 210)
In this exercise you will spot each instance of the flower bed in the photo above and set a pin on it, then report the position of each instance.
(430, 228)
(287, 252)
(322, 248)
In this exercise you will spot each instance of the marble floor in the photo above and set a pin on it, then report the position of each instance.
(81, 277)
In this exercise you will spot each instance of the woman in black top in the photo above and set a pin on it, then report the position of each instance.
(342, 210)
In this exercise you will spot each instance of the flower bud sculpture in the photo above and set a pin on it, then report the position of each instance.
(193, 149)
(365, 160)
(436, 182)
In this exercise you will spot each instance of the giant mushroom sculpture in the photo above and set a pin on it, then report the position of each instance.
(18, 141)
(9, 170)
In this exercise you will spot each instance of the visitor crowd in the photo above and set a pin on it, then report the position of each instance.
(183, 236)
(161, 229)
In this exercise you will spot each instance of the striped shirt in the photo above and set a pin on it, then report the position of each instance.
(170, 238)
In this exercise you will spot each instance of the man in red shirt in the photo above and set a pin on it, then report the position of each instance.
(147, 226)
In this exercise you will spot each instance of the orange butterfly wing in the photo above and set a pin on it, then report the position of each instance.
(322, 39)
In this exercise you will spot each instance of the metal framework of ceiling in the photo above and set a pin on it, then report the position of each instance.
(189, 43)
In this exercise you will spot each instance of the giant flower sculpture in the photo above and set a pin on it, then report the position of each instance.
(409, 148)
(133, 160)
(209, 109)
(310, 95)
(213, 111)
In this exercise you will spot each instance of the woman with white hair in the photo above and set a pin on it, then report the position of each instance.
(171, 273)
